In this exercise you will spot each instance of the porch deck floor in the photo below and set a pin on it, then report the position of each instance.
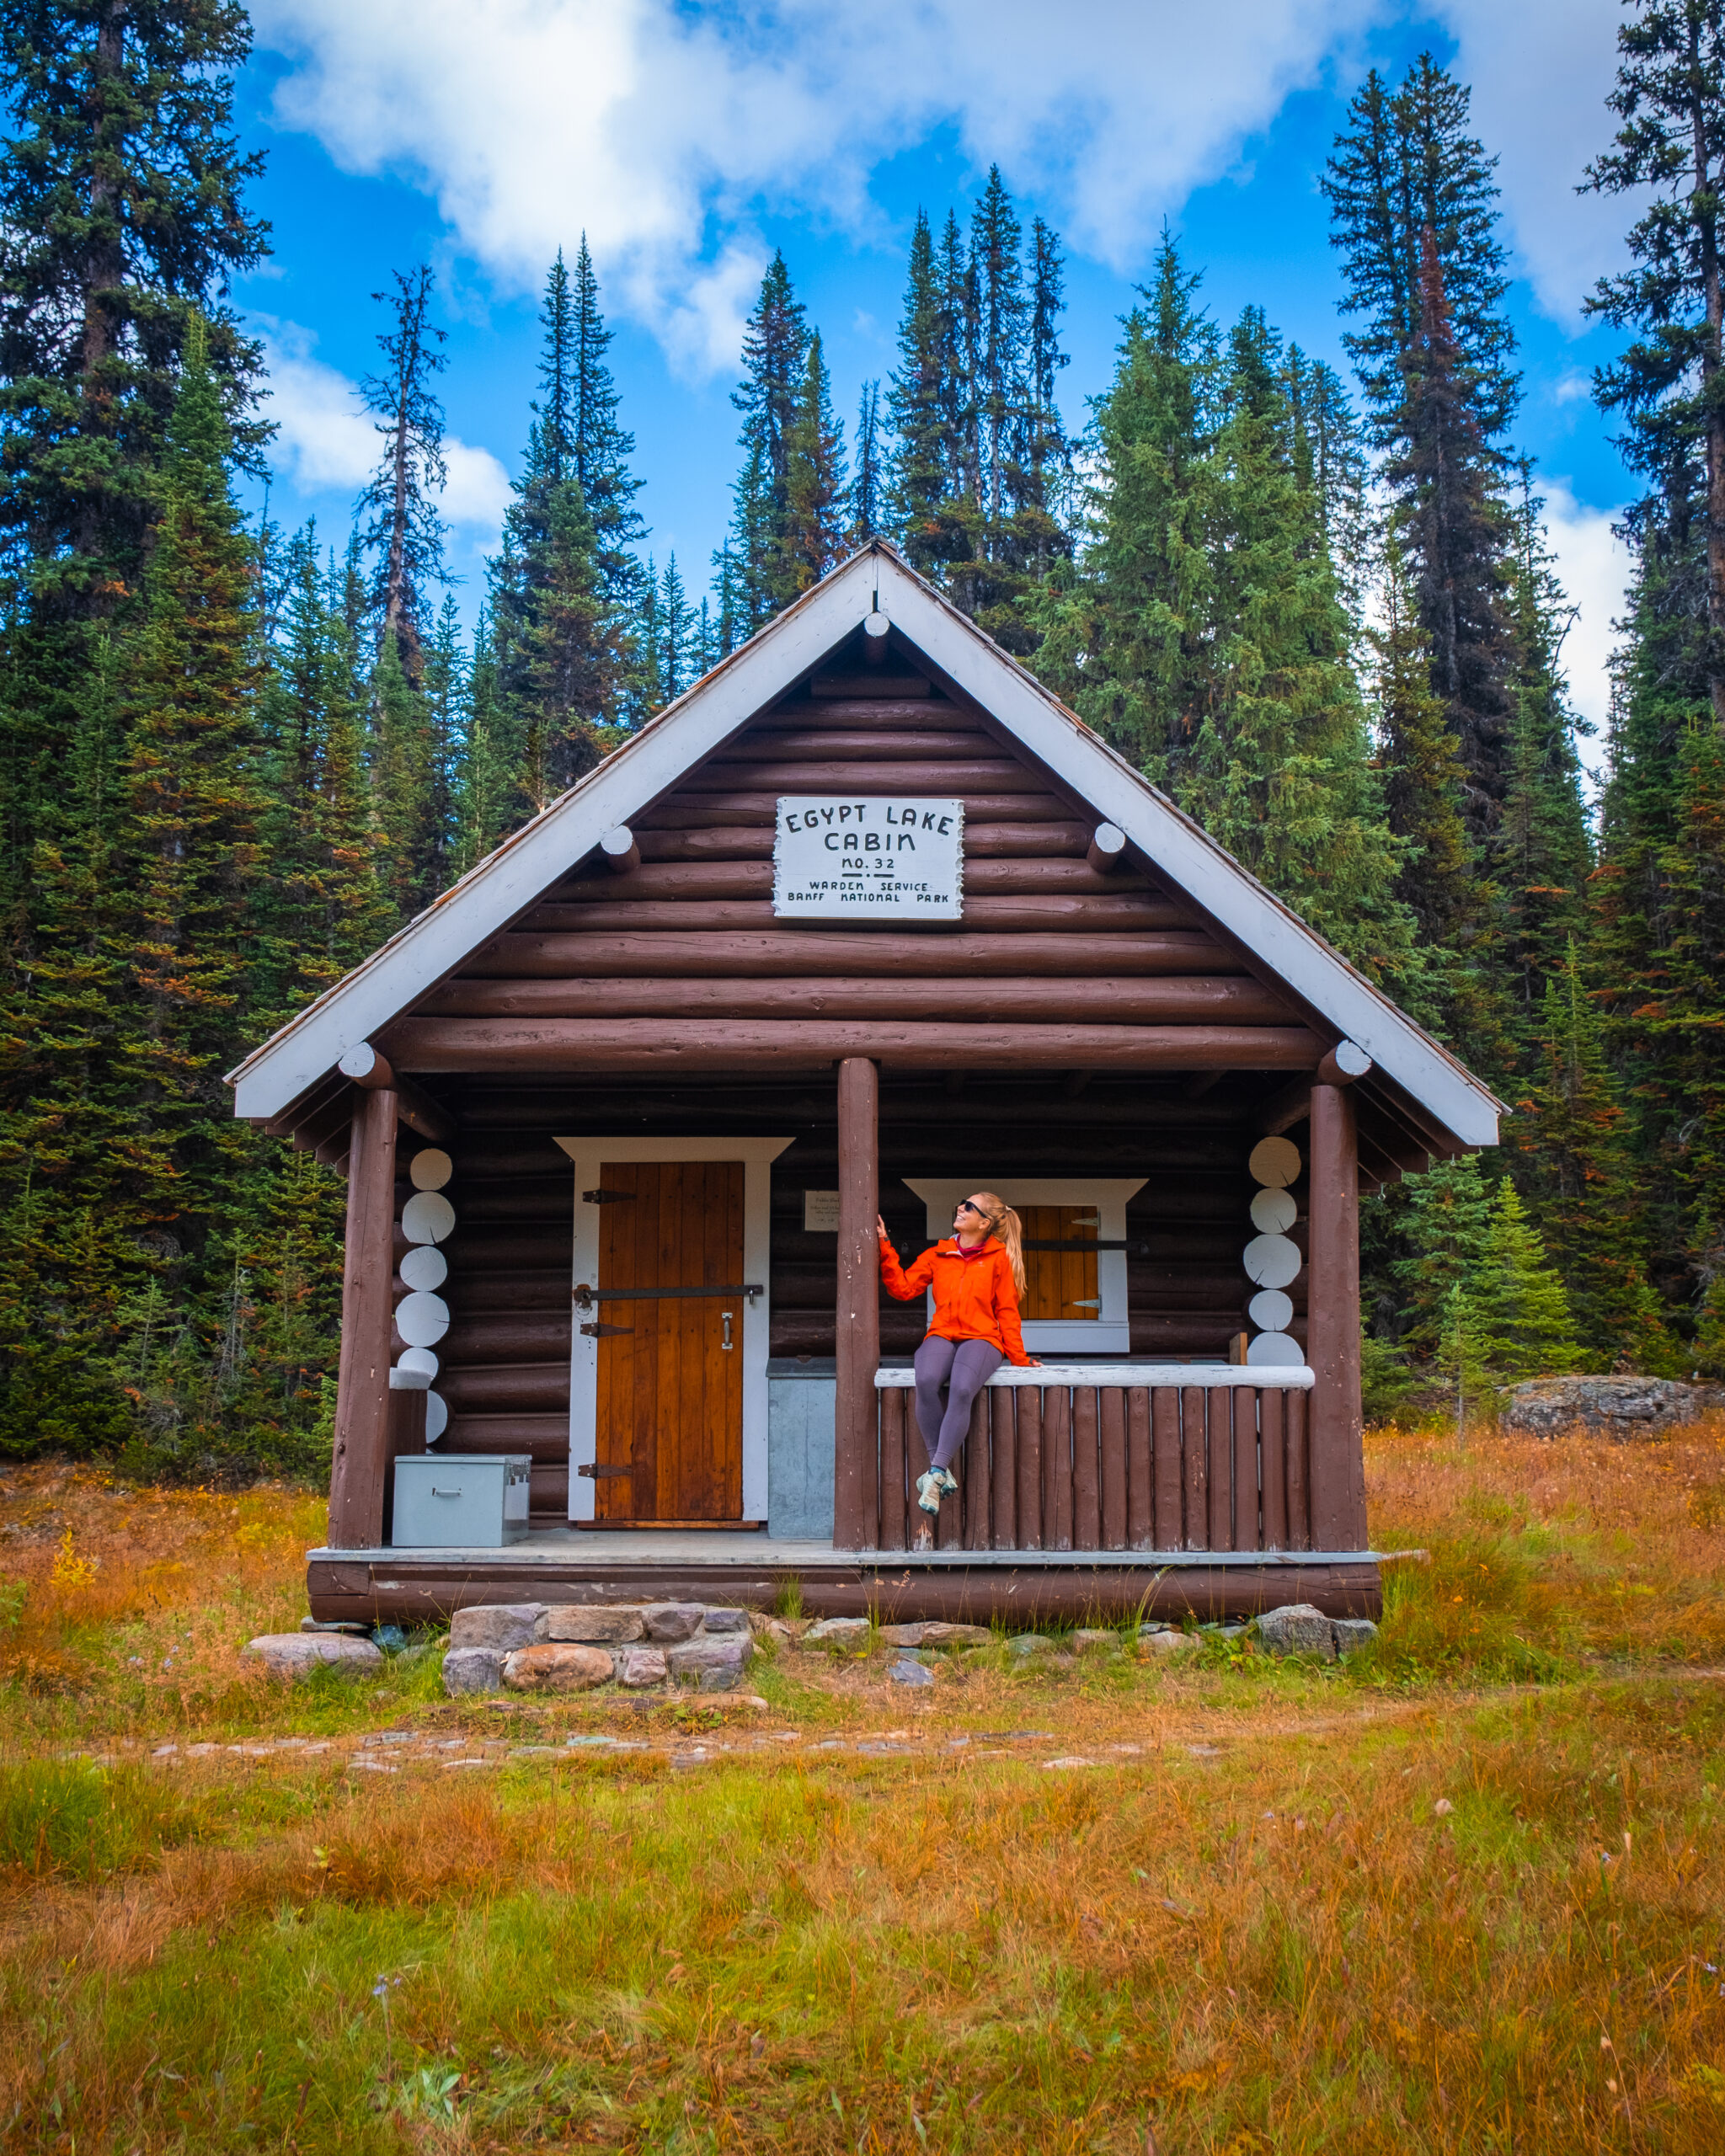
(561, 1547)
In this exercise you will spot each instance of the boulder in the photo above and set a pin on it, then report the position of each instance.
(726, 1620)
(473, 1669)
(773, 1631)
(1164, 1641)
(711, 1665)
(638, 1666)
(1621, 1407)
(592, 1623)
(1029, 1643)
(297, 1654)
(906, 1672)
(502, 1625)
(1297, 1628)
(1353, 1633)
(837, 1632)
(936, 1635)
(556, 1667)
(1092, 1640)
(667, 1622)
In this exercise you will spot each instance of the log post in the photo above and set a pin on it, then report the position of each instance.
(360, 1466)
(858, 1343)
(1335, 1478)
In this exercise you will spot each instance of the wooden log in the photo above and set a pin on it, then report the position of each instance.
(1110, 1403)
(1086, 1470)
(370, 1069)
(851, 953)
(1027, 1507)
(1055, 910)
(685, 812)
(505, 1388)
(1333, 1417)
(858, 1307)
(1003, 1465)
(509, 1248)
(507, 1337)
(1299, 1496)
(877, 641)
(646, 1045)
(979, 1476)
(894, 1403)
(1107, 851)
(485, 1298)
(1010, 841)
(1195, 1463)
(869, 692)
(1165, 1441)
(934, 779)
(360, 1460)
(1247, 1525)
(828, 745)
(1057, 1467)
(1282, 1110)
(919, 1528)
(1177, 999)
(949, 1525)
(545, 1438)
(661, 881)
(618, 850)
(1219, 1422)
(314, 1099)
(1140, 1483)
(1346, 1063)
(1273, 1462)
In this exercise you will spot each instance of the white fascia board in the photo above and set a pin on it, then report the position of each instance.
(509, 881)
(1193, 862)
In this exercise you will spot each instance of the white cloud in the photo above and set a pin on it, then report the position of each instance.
(663, 129)
(1541, 71)
(324, 441)
(1593, 567)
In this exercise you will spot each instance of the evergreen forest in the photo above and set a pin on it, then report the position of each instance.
(1319, 612)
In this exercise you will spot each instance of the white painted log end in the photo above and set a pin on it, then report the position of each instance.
(621, 852)
(365, 1067)
(1108, 849)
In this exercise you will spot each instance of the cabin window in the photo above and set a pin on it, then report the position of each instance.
(1076, 1300)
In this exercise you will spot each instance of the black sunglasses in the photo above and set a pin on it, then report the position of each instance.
(965, 1205)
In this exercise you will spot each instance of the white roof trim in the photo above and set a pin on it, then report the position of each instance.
(511, 880)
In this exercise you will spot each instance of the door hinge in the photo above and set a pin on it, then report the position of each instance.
(604, 1332)
(607, 1197)
(596, 1474)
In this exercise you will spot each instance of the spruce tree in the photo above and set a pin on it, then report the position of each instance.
(1446, 1214)
(776, 347)
(866, 504)
(923, 451)
(581, 407)
(405, 531)
(1521, 1318)
(679, 652)
(811, 537)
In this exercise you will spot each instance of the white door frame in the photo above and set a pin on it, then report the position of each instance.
(1111, 1334)
(758, 1156)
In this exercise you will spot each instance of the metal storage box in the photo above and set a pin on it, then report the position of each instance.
(460, 1500)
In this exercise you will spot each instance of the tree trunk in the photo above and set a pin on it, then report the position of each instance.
(1708, 232)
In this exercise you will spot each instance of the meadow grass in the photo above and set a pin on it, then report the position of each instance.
(1463, 1892)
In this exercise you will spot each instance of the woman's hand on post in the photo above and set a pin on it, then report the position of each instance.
(886, 1240)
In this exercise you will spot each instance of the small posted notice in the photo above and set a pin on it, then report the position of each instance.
(838, 858)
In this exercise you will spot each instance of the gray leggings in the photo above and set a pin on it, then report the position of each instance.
(964, 1366)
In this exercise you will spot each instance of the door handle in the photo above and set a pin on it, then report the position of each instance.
(727, 1343)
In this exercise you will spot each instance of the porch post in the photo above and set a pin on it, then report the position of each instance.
(855, 1424)
(1332, 1320)
(362, 1447)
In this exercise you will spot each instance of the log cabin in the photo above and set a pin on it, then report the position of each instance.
(864, 922)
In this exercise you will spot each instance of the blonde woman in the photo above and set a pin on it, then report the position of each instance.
(977, 1274)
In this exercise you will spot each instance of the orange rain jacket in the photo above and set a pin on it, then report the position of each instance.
(975, 1297)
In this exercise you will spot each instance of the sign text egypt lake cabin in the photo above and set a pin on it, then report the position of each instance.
(838, 856)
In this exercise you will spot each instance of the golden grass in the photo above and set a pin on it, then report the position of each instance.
(1466, 1893)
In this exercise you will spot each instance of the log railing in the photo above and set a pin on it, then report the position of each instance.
(1161, 1456)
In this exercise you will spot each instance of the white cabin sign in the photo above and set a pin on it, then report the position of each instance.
(837, 858)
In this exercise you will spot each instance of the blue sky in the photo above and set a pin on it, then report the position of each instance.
(691, 141)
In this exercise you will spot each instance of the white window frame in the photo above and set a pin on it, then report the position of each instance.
(758, 1156)
(1111, 1332)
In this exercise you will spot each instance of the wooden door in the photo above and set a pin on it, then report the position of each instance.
(1059, 1284)
(670, 1377)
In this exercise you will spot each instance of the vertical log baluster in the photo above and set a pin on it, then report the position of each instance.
(1003, 1467)
(1195, 1466)
(1113, 1467)
(1140, 1487)
(1057, 1467)
(1298, 1491)
(1029, 1506)
(894, 1401)
(1274, 1454)
(919, 1528)
(1221, 1467)
(1248, 1530)
(979, 1475)
(1087, 1494)
(855, 1426)
(949, 1528)
(1165, 1439)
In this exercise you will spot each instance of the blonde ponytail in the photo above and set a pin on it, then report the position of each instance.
(1005, 1225)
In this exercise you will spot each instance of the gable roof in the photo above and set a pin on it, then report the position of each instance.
(510, 881)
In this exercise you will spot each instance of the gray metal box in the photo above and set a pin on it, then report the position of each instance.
(460, 1500)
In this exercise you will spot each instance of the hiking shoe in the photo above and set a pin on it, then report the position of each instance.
(949, 1481)
(929, 1491)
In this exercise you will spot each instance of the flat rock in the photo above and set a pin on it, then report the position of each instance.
(774, 1632)
(910, 1673)
(936, 1634)
(1167, 1643)
(1621, 1407)
(837, 1632)
(711, 1665)
(504, 1626)
(1029, 1643)
(595, 1624)
(1353, 1633)
(556, 1667)
(1092, 1639)
(638, 1665)
(1297, 1628)
(668, 1622)
(473, 1669)
(720, 1621)
(297, 1654)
